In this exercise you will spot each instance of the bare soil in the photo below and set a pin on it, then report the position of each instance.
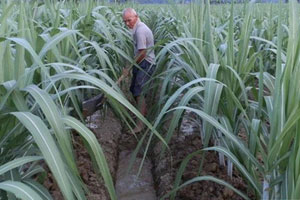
(182, 144)
(108, 132)
(107, 129)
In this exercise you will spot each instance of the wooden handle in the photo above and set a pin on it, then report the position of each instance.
(123, 76)
(120, 79)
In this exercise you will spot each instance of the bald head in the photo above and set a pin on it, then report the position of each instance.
(129, 11)
(130, 17)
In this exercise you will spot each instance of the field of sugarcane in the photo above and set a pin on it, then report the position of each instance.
(236, 67)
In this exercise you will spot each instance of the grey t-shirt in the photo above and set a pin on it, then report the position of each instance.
(143, 39)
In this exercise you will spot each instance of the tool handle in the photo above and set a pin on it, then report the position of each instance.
(120, 79)
(123, 76)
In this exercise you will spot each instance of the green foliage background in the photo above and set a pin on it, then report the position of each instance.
(235, 66)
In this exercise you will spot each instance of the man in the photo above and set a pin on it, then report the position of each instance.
(143, 56)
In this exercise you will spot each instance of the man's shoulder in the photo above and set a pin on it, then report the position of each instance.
(142, 28)
(141, 24)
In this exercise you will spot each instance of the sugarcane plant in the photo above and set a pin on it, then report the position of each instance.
(241, 83)
(47, 68)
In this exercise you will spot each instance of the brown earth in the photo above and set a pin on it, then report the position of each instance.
(107, 129)
(182, 144)
(108, 132)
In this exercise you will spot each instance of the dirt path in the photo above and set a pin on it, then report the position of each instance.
(131, 186)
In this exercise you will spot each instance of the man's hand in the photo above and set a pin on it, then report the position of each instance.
(125, 71)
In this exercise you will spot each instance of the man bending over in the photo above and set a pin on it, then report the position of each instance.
(143, 56)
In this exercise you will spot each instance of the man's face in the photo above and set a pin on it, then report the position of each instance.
(130, 19)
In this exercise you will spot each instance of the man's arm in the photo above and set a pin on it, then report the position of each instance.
(141, 55)
(139, 58)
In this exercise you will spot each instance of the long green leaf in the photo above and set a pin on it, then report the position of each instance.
(207, 178)
(19, 189)
(47, 145)
(96, 148)
(18, 162)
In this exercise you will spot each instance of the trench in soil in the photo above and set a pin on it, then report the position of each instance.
(158, 173)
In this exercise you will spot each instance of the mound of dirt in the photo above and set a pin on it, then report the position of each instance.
(107, 129)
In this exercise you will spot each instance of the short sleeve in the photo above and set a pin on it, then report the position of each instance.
(141, 41)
